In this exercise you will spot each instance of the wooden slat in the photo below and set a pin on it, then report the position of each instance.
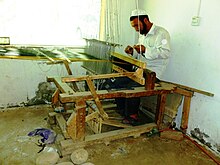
(150, 81)
(185, 113)
(62, 124)
(45, 55)
(66, 63)
(104, 94)
(116, 123)
(55, 97)
(71, 126)
(160, 109)
(191, 89)
(94, 77)
(68, 146)
(96, 98)
(184, 92)
(80, 107)
(63, 87)
(137, 76)
(129, 59)
(92, 116)
(95, 125)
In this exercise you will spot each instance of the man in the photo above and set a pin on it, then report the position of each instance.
(153, 48)
(154, 43)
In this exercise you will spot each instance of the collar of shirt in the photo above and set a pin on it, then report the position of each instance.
(152, 30)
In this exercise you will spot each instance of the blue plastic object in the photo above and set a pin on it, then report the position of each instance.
(49, 136)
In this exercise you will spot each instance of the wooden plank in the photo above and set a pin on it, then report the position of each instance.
(67, 146)
(137, 76)
(185, 113)
(71, 126)
(150, 81)
(92, 116)
(62, 86)
(107, 106)
(96, 98)
(191, 89)
(62, 124)
(104, 94)
(129, 59)
(184, 92)
(45, 55)
(95, 125)
(160, 109)
(80, 107)
(55, 97)
(94, 77)
(66, 63)
(116, 123)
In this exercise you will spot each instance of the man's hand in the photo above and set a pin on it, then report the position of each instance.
(129, 50)
(139, 48)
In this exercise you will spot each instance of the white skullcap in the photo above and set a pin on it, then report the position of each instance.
(138, 12)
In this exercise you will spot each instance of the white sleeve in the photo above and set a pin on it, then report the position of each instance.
(159, 49)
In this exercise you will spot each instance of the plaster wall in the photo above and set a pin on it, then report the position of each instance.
(19, 79)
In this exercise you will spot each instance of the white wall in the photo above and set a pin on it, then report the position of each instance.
(195, 55)
(19, 79)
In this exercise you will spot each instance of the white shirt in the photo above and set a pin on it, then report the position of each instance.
(157, 49)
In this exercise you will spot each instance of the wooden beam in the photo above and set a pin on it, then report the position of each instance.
(184, 92)
(62, 124)
(115, 123)
(185, 113)
(72, 126)
(66, 63)
(62, 86)
(129, 60)
(80, 107)
(94, 77)
(92, 116)
(67, 146)
(150, 81)
(137, 76)
(55, 97)
(104, 94)
(161, 101)
(191, 89)
(96, 98)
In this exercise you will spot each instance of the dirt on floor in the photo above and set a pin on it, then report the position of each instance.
(19, 149)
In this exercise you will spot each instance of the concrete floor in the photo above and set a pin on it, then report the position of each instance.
(19, 149)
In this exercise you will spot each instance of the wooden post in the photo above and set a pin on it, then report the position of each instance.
(66, 63)
(185, 113)
(96, 98)
(150, 78)
(76, 122)
(161, 101)
(55, 97)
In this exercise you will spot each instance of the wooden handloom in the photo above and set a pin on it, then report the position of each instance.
(80, 113)
(83, 115)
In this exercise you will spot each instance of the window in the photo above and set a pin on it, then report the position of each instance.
(49, 22)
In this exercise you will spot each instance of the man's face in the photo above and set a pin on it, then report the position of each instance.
(139, 26)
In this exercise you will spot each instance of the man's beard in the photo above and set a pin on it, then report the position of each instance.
(144, 30)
